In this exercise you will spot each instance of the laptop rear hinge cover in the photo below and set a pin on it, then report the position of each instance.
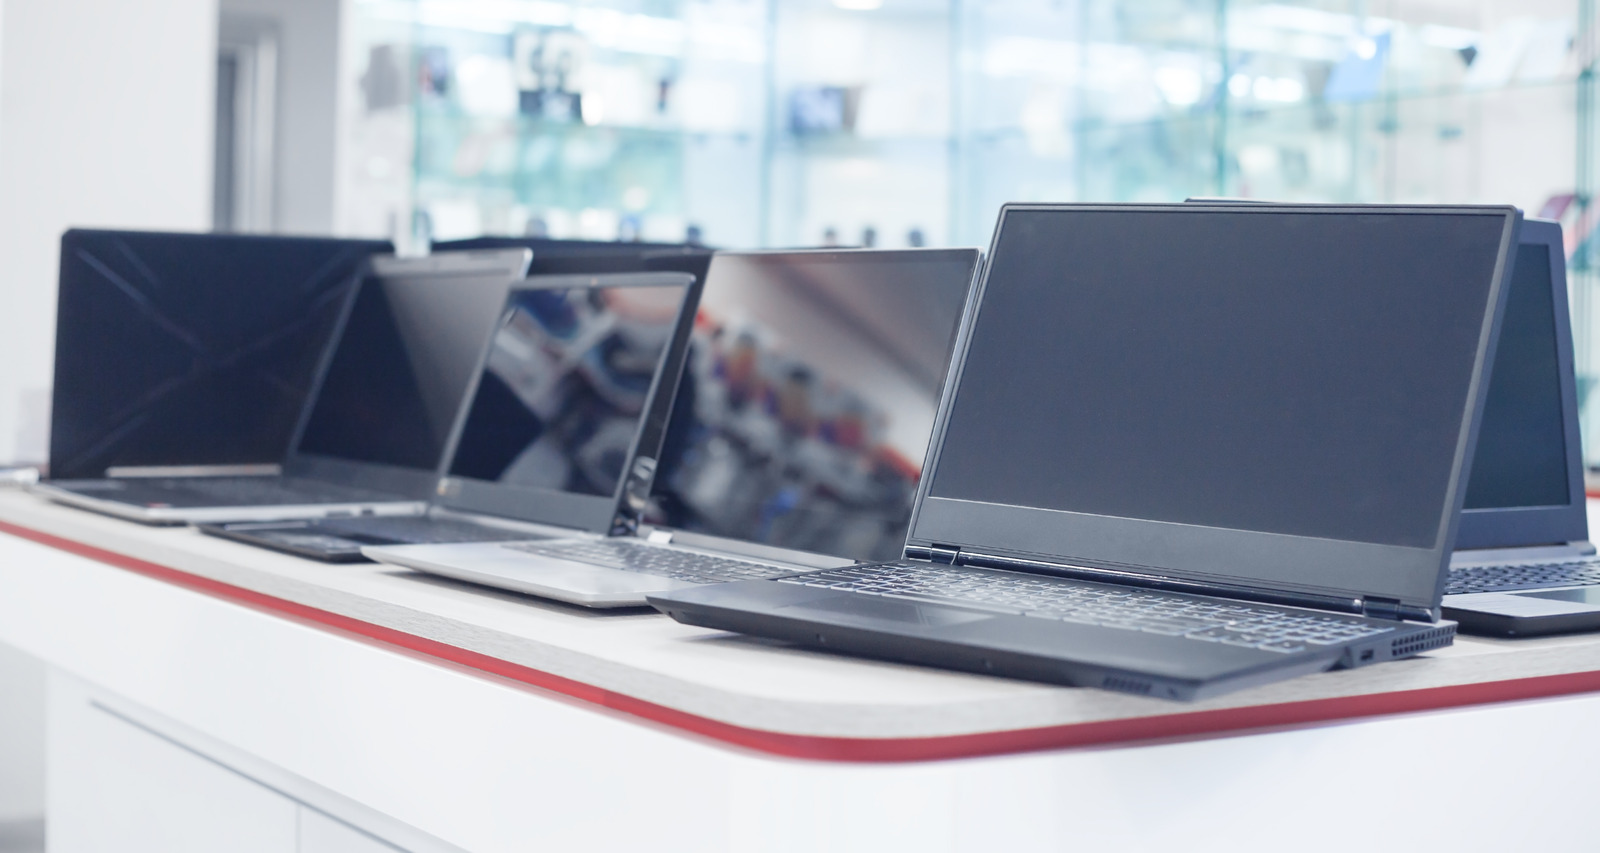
(1382, 608)
(943, 554)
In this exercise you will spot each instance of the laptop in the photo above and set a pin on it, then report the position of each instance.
(1185, 449)
(372, 436)
(796, 435)
(573, 386)
(1523, 563)
(195, 350)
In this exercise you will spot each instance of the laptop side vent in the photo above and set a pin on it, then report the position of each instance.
(1438, 638)
(1125, 684)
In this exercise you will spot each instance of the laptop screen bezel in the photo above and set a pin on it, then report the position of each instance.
(594, 513)
(508, 264)
(1517, 526)
(1293, 567)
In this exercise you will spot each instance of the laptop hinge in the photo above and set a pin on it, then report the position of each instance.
(934, 553)
(1132, 577)
(1391, 608)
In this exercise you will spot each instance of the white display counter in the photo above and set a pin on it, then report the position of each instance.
(205, 695)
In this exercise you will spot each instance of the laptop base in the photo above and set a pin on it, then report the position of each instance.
(340, 540)
(1526, 612)
(493, 564)
(1033, 649)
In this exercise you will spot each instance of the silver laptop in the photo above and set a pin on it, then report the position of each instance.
(378, 420)
(796, 439)
(567, 389)
(1523, 563)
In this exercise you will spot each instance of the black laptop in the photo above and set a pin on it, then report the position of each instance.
(573, 388)
(371, 439)
(1185, 449)
(190, 350)
(1523, 563)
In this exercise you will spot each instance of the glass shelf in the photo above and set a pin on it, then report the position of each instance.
(799, 122)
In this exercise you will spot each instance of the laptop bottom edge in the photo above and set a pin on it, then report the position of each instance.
(1524, 613)
(350, 554)
(923, 647)
(492, 564)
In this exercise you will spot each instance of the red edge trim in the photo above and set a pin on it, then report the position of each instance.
(824, 748)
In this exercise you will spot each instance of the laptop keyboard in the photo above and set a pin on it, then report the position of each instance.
(1209, 620)
(1523, 576)
(631, 555)
(266, 490)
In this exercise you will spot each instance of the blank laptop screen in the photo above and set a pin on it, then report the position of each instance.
(190, 349)
(1521, 459)
(1286, 372)
(565, 386)
(402, 365)
(808, 398)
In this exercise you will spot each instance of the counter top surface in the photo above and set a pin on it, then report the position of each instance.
(765, 695)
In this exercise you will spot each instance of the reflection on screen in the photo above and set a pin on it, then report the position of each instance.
(229, 331)
(809, 396)
(1521, 459)
(1296, 373)
(565, 386)
(401, 368)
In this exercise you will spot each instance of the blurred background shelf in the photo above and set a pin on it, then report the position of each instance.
(748, 123)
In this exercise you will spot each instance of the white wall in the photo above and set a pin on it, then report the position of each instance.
(305, 137)
(22, 681)
(105, 120)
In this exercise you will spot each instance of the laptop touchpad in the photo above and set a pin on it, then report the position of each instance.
(1589, 595)
(871, 609)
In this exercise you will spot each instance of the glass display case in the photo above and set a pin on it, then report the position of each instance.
(747, 123)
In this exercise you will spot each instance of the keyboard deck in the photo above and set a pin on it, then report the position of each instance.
(632, 555)
(239, 491)
(1523, 576)
(1192, 617)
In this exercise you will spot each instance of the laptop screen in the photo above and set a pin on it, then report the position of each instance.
(1297, 373)
(402, 365)
(227, 330)
(809, 394)
(1243, 371)
(1521, 458)
(1526, 483)
(566, 384)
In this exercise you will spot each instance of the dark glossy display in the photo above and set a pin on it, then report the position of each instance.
(565, 386)
(806, 405)
(400, 370)
(189, 349)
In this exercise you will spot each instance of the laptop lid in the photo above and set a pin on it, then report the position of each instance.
(190, 349)
(1526, 486)
(392, 389)
(1274, 401)
(588, 257)
(575, 382)
(806, 405)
